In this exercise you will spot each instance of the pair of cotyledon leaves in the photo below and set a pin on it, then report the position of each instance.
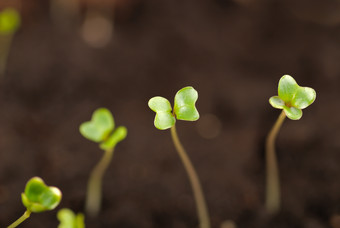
(184, 108)
(292, 98)
(39, 197)
(101, 129)
(9, 21)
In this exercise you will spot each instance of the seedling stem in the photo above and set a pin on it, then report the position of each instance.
(195, 183)
(273, 182)
(94, 187)
(25, 216)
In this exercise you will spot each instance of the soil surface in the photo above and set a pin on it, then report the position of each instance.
(233, 53)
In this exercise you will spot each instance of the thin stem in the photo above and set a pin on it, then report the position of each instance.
(94, 187)
(273, 182)
(202, 210)
(5, 45)
(21, 219)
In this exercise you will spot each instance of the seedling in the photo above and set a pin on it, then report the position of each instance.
(9, 24)
(100, 129)
(291, 98)
(184, 109)
(68, 219)
(37, 198)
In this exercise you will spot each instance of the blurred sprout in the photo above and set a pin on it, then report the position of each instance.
(68, 219)
(38, 197)
(9, 21)
(100, 129)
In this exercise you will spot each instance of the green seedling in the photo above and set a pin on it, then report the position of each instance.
(291, 98)
(68, 219)
(100, 129)
(184, 109)
(9, 24)
(37, 198)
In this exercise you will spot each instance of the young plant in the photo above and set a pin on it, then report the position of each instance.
(291, 98)
(37, 198)
(68, 219)
(184, 109)
(100, 129)
(9, 24)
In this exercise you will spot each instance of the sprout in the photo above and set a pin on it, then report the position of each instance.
(100, 129)
(37, 198)
(184, 109)
(9, 24)
(291, 98)
(68, 219)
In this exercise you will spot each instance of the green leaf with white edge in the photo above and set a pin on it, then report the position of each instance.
(118, 135)
(276, 102)
(39, 197)
(9, 21)
(68, 219)
(164, 119)
(287, 88)
(99, 127)
(304, 97)
(293, 113)
(185, 100)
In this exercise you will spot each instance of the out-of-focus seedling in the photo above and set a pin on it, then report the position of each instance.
(184, 109)
(68, 219)
(37, 198)
(9, 24)
(291, 98)
(100, 129)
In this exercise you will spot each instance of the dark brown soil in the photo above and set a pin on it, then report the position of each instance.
(233, 53)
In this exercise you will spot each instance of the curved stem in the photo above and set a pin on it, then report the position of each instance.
(272, 171)
(94, 186)
(21, 219)
(195, 183)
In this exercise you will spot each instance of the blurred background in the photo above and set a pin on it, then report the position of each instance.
(70, 57)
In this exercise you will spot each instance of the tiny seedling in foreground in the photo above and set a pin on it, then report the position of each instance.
(9, 24)
(100, 129)
(184, 109)
(291, 98)
(68, 219)
(37, 198)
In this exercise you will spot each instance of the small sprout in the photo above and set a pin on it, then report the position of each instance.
(37, 198)
(9, 21)
(291, 98)
(68, 219)
(100, 129)
(184, 109)
(9, 24)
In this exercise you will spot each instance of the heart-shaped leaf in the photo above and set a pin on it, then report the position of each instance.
(99, 127)
(38, 197)
(185, 100)
(293, 113)
(287, 88)
(68, 219)
(276, 102)
(118, 135)
(164, 119)
(9, 21)
(304, 97)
